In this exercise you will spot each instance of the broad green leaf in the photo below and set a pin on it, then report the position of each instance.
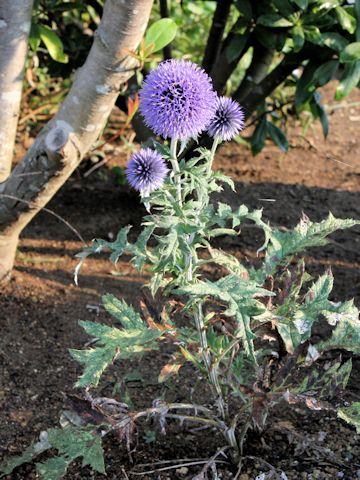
(334, 40)
(319, 111)
(53, 44)
(259, 136)
(357, 15)
(160, 33)
(244, 7)
(325, 72)
(271, 39)
(313, 34)
(303, 4)
(305, 86)
(351, 53)
(351, 415)
(347, 21)
(34, 37)
(298, 36)
(284, 7)
(235, 47)
(349, 80)
(278, 136)
(274, 20)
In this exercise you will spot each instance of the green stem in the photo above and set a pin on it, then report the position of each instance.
(212, 372)
(212, 154)
(176, 169)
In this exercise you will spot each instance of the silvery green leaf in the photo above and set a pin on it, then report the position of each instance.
(351, 415)
(53, 468)
(346, 334)
(113, 343)
(27, 456)
(129, 318)
(283, 245)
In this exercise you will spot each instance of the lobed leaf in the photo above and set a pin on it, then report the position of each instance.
(351, 415)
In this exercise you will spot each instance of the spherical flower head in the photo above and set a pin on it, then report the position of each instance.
(177, 100)
(228, 121)
(146, 171)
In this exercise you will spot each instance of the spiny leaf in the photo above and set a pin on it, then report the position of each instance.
(351, 415)
(346, 335)
(113, 343)
(306, 234)
(53, 468)
(125, 313)
(228, 261)
(27, 456)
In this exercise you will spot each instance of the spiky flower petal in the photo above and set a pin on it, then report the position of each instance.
(177, 100)
(146, 171)
(228, 121)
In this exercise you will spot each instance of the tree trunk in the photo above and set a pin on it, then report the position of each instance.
(15, 21)
(213, 44)
(63, 142)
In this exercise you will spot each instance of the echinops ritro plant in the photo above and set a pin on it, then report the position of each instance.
(246, 329)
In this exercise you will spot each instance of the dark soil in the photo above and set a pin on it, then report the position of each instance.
(41, 306)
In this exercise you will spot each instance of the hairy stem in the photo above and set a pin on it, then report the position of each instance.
(212, 154)
(212, 372)
(176, 169)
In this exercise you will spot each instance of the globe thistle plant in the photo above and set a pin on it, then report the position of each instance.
(228, 121)
(146, 171)
(177, 100)
(246, 335)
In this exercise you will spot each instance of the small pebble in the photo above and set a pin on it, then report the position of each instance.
(348, 456)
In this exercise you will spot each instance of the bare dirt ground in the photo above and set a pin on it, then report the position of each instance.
(41, 306)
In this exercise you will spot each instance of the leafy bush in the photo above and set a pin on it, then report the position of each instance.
(249, 330)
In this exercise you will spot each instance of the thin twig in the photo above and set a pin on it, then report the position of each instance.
(47, 210)
(180, 465)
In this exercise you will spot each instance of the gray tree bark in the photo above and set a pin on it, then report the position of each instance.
(63, 142)
(15, 21)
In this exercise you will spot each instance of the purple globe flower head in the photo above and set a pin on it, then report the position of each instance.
(228, 121)
(146, 171)
(177, 100)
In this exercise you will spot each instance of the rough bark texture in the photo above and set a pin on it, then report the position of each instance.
(15, 21)
(63, 142)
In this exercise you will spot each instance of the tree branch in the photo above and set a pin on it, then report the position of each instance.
(216, 33)
(223, 68)
(164, 12)
(260, 64)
